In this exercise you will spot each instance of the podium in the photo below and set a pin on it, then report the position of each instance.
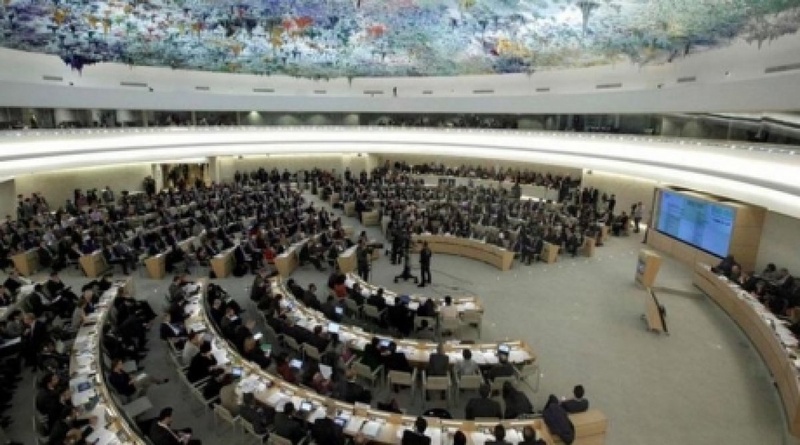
(26, 263)
(588, 247)
(647, 267)
(156, 266)
(550, 253)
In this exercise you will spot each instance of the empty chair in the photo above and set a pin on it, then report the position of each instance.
(363, 371)
(373, 314)
(275, 439)
(530, 375)
(248, 429)
(441, 383)
(292, 344)
(406, 379)
(497, 383)
(468, 382)
(474, 319)
(222, 414)
(311, 352)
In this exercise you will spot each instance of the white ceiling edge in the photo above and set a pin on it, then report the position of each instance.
(734, 173)
(727, 79)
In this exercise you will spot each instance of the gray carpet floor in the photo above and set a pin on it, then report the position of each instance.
(704, 383)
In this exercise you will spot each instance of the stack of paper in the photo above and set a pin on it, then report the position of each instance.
(372, 428)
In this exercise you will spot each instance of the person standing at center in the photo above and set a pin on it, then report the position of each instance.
(425, 264)
(362, 260)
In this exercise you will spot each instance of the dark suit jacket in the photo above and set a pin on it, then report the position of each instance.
(501, 370)
(289, 428)
(161, 436)
(480, 407)
(37, 333)
(325, 431)
(414, 438)
(398, 362)
(438, 364)
(575, 405)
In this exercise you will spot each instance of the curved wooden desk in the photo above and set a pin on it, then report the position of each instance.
(776, 344)
(86, 367)
(388, 427)
(417, 351)
(462, 303)
(470, 248)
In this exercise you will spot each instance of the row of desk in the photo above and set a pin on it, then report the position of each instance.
(289, 260)
(417, 351)
(496, 256)
(462, 303)
(90, 389)
(382, 427)
(770, 336)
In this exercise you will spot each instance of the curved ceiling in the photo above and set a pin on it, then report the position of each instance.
(767, 178)
(375, 38)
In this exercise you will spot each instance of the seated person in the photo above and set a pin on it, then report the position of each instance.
(288, 426)
(502, 369)
(577, 404)
(517, 403)
(530, 436)
(203, 365)
(174, 333)
(467, 366)
(325, 431)
(71, 429)
(438, 363)
(128, 385)
(254, 413)
(620, 224)
(499, 433)
(417, 435)
(483, 406)
(557, 420)
(348, 390)
(161, 432)
(724, 267)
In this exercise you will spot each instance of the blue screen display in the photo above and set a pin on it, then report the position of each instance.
(703, 224)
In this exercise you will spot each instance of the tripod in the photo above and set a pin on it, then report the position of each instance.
(406, 275)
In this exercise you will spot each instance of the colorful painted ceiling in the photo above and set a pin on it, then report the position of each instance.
(352, 38)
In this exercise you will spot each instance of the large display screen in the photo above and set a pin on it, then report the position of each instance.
(703, 224)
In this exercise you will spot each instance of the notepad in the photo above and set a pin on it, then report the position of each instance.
(371, 428)
(326, 371)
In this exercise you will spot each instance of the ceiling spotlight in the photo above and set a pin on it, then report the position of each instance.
(727, 73)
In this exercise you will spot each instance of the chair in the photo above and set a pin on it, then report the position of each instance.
(399, 378)
(311, 352)
(40, 432)
(498, 382)
(221, 413)
(353, 310)
(372, 313)
(449, 325)
(365, 372)
(292, 344)
(248, 429)
(473, 318)
(198, 394)
(437, 384)
(530, 372)
(275, 439)
(469, 382)
(425, 323)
